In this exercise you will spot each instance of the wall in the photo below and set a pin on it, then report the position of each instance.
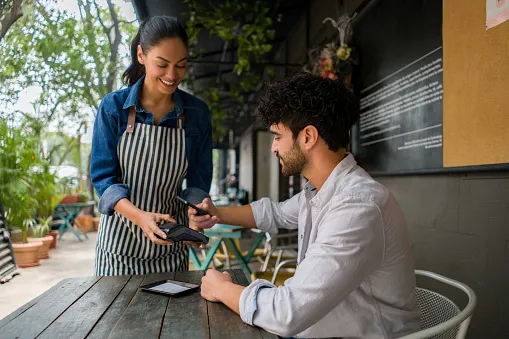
(459, 223)
(246, 162)
(258, 166)
(263, 157)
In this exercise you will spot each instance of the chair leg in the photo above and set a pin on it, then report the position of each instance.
(267, 259)
(204, 253)
(279, 255)
(226, 254)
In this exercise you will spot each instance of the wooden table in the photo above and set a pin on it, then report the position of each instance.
(67, 214)
(114, 307)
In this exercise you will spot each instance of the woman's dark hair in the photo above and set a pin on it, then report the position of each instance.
(150, 33)
(307, 99)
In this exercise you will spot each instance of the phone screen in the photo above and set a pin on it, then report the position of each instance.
(171, 287)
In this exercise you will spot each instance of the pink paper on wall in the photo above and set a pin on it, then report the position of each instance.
(497, 11)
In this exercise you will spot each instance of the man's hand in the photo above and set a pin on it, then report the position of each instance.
(204, 221)
(194, 244)
(213, 283)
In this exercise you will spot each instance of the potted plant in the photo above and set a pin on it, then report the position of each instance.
(46, 194)
(18, 149)
(41, 235)
(54, 235)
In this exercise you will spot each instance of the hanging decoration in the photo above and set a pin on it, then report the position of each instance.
(335, 60)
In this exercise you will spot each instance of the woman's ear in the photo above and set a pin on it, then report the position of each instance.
(140, 55)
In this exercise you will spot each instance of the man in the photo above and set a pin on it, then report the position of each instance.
(355, 277)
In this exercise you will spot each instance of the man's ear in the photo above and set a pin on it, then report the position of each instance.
(309, 137)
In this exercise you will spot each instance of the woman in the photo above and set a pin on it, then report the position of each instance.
(147, 139)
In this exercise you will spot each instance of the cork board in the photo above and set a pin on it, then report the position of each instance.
(476, 86)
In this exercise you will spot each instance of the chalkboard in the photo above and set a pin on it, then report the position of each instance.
(400, 85)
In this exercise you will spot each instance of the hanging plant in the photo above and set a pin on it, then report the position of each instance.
(248, 26)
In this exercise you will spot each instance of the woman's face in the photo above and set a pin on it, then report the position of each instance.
(165, 64)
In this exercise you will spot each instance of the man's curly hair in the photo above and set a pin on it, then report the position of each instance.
(307, 99)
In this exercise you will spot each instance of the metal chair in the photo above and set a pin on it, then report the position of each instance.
(440, 317)
(284, 241)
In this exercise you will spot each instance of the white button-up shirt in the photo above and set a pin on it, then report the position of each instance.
(355, 277)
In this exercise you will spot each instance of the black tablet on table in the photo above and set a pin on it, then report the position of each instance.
(170, 287)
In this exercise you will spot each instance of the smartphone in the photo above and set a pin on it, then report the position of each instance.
(170, 287)
(199, 211)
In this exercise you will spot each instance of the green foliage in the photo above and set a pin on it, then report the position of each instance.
(69, 58)
(28, 189)
(18, 149)
(245, 24)
(45, 189)
(43, 227)
(75, 61)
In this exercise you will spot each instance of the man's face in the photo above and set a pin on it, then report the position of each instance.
(291, 157)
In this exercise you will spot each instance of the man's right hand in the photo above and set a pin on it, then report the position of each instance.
(204, 221)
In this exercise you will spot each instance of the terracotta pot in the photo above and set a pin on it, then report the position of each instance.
(54, 235)
(44, 249)
(26, 254)
(16, 235)
(85, 222)
(71, 199)
(95, 223)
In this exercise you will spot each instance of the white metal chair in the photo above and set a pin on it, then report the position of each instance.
(440, 317)
(284, 241)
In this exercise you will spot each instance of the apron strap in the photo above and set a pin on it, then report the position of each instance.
(131, 119)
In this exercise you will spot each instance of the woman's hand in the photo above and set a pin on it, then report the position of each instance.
(149, 221)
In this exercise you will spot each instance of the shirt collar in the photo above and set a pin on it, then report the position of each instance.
(133, 99)
(330, 185)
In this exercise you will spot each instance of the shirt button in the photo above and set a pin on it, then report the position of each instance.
(302, 236)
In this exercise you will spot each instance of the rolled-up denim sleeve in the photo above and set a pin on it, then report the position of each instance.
(270, 216)
(104, 165)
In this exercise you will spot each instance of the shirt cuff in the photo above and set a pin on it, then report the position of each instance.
(248, 304)
(259, 207)
(111, 196)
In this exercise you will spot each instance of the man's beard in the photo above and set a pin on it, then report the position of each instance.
(293, 162)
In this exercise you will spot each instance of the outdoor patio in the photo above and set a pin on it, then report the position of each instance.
(69, 259)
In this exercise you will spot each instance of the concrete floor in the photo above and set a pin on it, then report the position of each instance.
(69, 259)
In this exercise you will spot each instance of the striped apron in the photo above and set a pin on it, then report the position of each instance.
(153, 164)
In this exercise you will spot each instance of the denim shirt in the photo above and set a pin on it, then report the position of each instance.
(111, 122)
(355, 275)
